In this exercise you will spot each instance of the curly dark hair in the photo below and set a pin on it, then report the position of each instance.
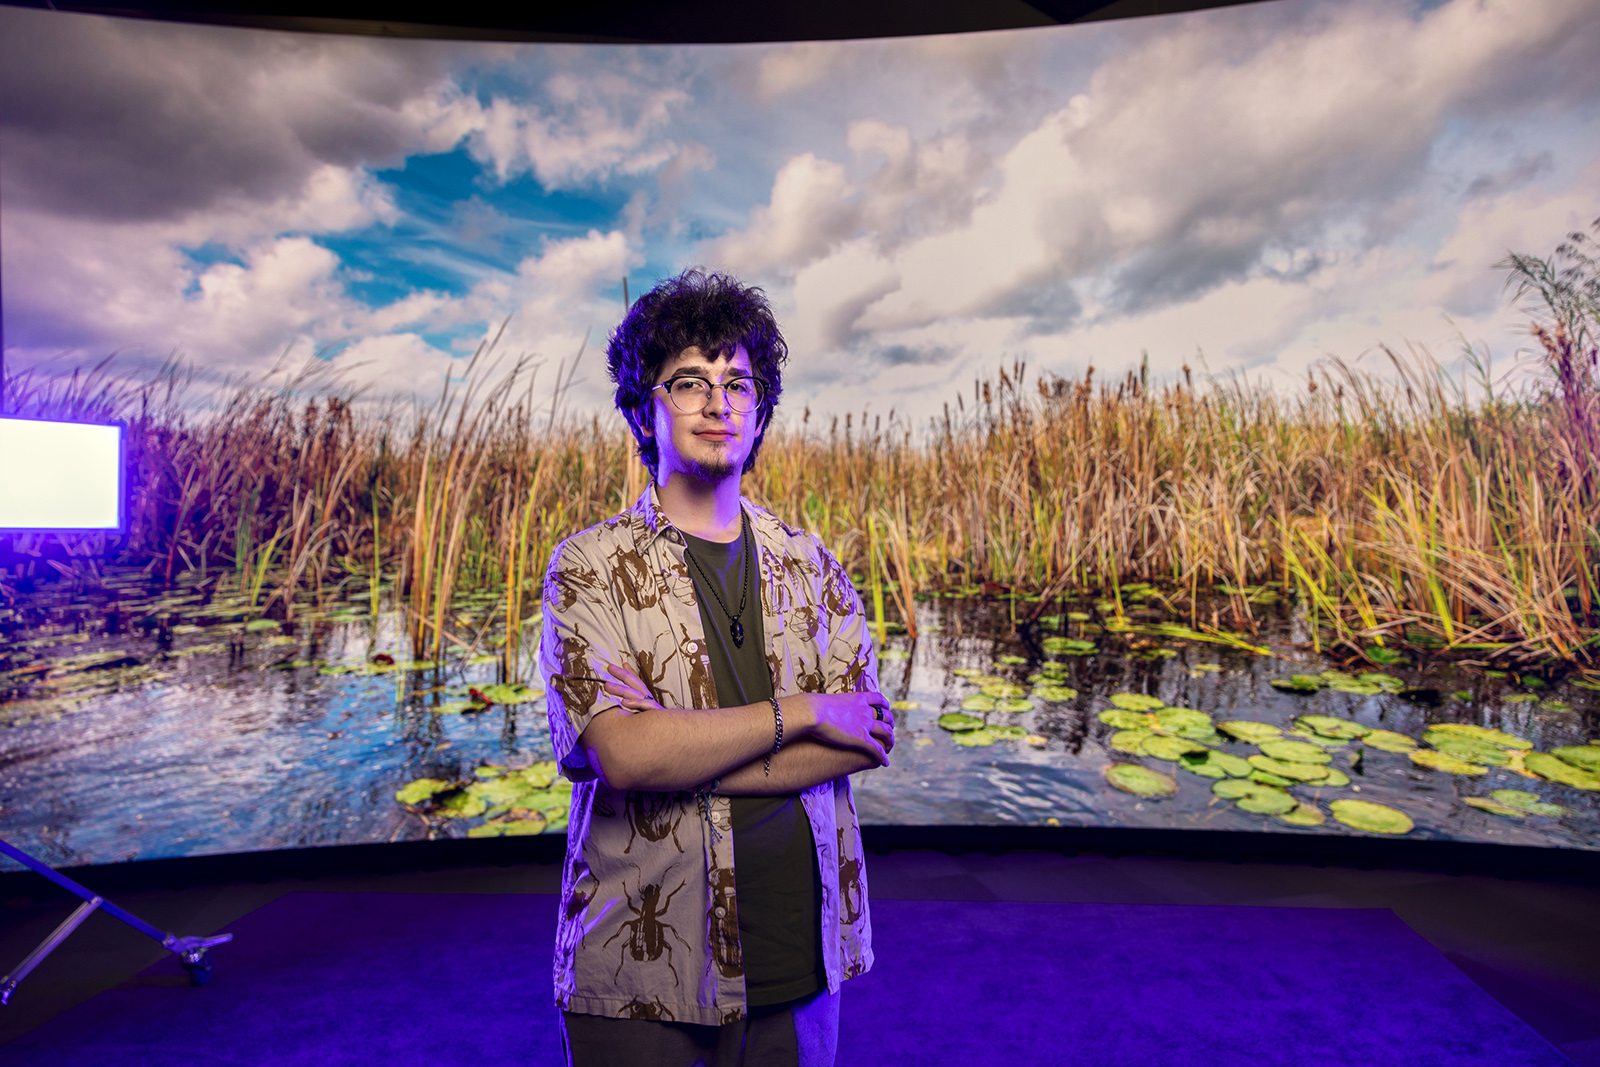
(712, 312)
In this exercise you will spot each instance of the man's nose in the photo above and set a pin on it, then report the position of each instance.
(717, 402)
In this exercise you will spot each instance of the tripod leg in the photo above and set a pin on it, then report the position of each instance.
(47, 946)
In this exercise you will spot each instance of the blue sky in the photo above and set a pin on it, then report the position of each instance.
(1256, 187)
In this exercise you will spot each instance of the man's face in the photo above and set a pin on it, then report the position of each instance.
(712, 444)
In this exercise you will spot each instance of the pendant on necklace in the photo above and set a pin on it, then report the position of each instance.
(736, 631)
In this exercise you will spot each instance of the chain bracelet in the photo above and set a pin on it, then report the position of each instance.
(777, 736)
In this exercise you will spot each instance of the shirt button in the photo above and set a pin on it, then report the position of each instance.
(721, 912)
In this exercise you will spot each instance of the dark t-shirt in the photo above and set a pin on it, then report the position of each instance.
(777, 887)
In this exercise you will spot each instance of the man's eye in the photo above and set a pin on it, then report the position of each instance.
(689, 385)
(742, 387)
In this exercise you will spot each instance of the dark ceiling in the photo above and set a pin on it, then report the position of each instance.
(621, 21)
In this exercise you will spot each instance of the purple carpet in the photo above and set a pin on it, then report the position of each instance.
(320, 979)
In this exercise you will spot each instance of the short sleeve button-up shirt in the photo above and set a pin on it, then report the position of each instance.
(648, 926)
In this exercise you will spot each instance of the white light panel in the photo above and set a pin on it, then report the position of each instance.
(60, 475)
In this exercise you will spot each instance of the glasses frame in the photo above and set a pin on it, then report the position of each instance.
(761, 390)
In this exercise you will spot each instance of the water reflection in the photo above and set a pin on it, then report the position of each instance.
(211, 742)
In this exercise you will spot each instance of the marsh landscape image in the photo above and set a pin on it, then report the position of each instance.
(1231, 475)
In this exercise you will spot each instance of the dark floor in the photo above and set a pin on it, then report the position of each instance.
(1533, 945)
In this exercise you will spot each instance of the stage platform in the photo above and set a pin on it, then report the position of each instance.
(1023, 957)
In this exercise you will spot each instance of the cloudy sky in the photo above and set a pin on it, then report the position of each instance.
(1265, 185)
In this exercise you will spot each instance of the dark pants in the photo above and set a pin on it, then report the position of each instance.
(801, 1033)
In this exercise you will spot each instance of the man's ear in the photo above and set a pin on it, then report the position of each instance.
(645, 421)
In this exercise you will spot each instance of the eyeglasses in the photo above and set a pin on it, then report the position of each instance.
(690, 393)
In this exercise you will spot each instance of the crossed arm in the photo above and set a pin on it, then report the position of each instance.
(643, 745)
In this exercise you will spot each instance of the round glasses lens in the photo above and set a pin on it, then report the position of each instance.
(690, 395)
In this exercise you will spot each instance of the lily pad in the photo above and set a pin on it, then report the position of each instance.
(1055, 692)
(1208, 666)
(1036, 740)
(956, 722)
(1336, 779)
(1130, 741)
(1386, 682)
(1014, 705)
(512, 693)
(464, 805)
(1123, 719)
(1443, 761)
(1250, 732)
(257, 625)
(1003, 690)
(1355, 688)
(1494, 807)
(1068, 646)
(527, 826)
(1013, 661)
(966, 672)
(978, 702)
(1300, 772)
(1523, 800)
(905, 705)
(980, 738)
(1007, 733)
(1584, 757)
(1556, 769)
(1481, 733)
(1303, 814)
(1371, 817)
(1200, 763)
(1176, 719)
(457, 707)
(422, 789)
(1331, 727)
(1141, 781)
(1255, 797)
(1136, 701)
(1469, 749)
(1389, 741)
(1294, 751)
(1300, 683)
(1170, 748)
(1272, 779)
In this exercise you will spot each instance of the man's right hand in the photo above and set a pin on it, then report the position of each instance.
(848, 720)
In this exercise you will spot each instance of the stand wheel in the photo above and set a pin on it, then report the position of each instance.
(199, 968)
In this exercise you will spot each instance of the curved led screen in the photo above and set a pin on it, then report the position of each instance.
(1157, 380)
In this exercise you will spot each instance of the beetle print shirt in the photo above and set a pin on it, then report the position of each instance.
(648, 926)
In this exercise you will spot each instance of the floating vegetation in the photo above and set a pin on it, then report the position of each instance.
(1494, 807)
(1068, 646)
(1127, 719)
(1443, 761)
(1248, 731)
(1388, 741)
(1294, 751)
(978, 702)
(1372, 817)
(1214, 764)
(1555, 769)
(1330, 727)
(905, 705)
(1141, 781)
(957, 722)
(1298, 772)
(515, 693)
(1003, 690)
(1054, 692)
(1130, 741)
(1481, 733)
(1523, 800)
(1169, 748)
(1584, 757)
(1013, 704)
(979, 738)
(1303, 814)
(1255, 797)
(1469, 749)
(1136, 701)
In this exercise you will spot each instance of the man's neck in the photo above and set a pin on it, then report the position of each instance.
(708, 510)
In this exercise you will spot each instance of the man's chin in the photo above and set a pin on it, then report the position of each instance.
(713, 470)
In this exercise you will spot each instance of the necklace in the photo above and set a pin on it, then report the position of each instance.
(735, 627)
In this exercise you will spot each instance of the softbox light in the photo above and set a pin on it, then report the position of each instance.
(60, 475)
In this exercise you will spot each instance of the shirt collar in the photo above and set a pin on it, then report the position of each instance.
(650, 522)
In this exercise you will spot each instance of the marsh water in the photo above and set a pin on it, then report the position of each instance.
(143, 725)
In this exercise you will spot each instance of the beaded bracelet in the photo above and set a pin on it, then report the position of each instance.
(777, 739)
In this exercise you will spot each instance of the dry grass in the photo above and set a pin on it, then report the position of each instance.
(1387, 505)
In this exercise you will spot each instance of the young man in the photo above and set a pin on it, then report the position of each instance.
(710, 685)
